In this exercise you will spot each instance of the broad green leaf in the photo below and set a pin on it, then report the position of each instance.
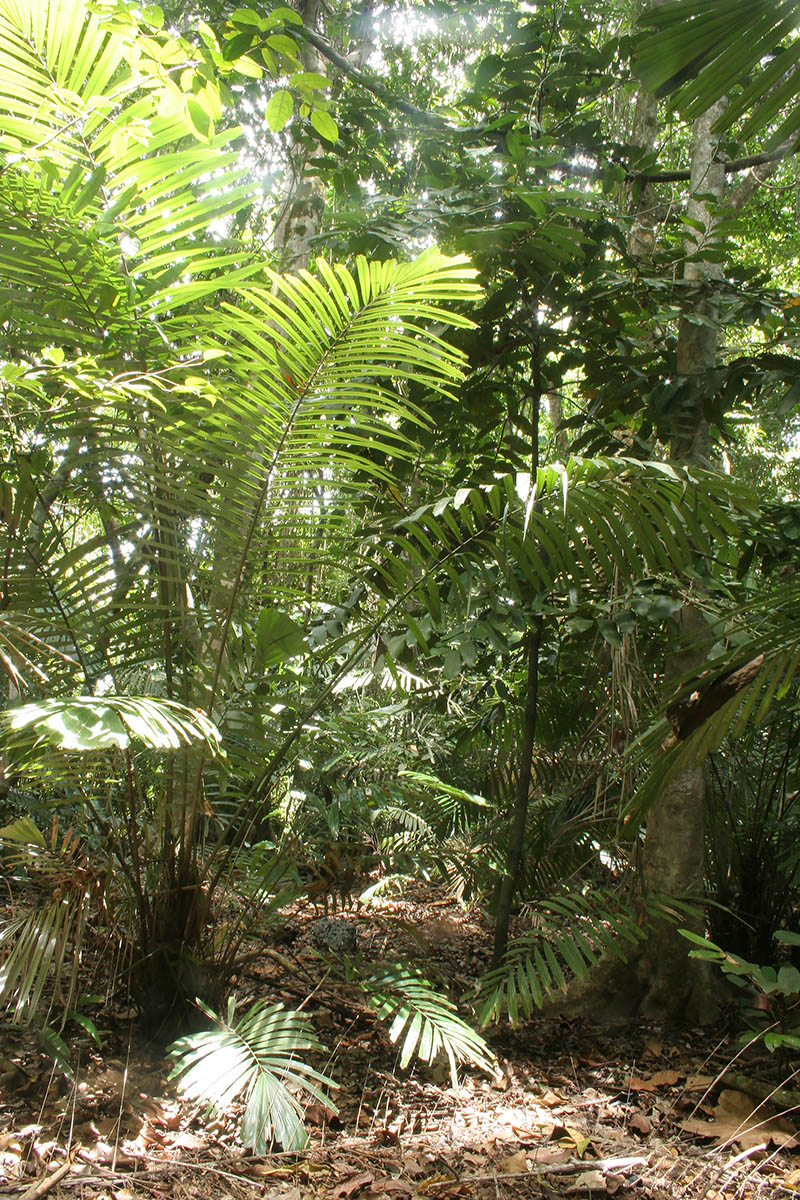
(200, 118)
(325, 125)
(309, 79)
(283, 44)
(278, 638)
(279, 110)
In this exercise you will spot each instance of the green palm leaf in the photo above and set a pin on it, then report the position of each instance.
(99, 723)
(100, 154)
(571, 933)
(700, 50)
(423, 1020)
(591, 518)
(43, 954)
(255, 1056)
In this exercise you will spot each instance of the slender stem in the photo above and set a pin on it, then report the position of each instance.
(519, 814)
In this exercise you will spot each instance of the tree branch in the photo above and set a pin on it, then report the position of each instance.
(733, 167)
(420, 116)
(485, 131)
(688, 715)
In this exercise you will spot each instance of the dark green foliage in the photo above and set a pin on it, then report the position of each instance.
(569, 935)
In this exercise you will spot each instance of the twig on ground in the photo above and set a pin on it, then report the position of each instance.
(42, 1186)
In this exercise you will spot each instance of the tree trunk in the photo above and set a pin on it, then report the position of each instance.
(674, 849)
(672, 985)
(519, 814)
(300, 216)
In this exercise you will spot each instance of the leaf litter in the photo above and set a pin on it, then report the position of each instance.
(572, 1110)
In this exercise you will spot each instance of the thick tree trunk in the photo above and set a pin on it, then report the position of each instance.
(672, 985)
(674, 850)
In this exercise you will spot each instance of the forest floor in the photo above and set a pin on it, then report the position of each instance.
(572, 1110)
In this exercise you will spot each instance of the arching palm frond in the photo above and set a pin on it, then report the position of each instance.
(701, 50)
(590, 518)
(571, 934)
(101, 155)
(422, 1019)
(202, 472)
(312, 376)
(43, 952)
(97, 723)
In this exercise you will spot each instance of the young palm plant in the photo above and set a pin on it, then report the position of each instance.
(184, 431)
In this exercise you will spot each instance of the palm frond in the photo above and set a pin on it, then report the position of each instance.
(42, 953)
(313, 371)
(444, 798)
(422, 1019)
(572, 933)
(100, 723)
(255, 1056)
(304, 392)
(580, 522)
(95, 159)
(701, 50)
(39, 950)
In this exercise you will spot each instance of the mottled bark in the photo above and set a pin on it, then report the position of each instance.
(556, 415)
(698, 334)
(641, 193)
(303, 205)
(669, 984)
(674, 985)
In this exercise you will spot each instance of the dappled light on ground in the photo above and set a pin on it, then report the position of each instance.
(571, 1110)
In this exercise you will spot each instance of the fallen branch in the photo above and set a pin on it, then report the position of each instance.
(573, 1167)
(42, 1186)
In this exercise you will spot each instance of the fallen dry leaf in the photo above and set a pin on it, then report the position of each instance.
(185, 1140)
(546, 1155)
(413, 1165)
(736, 1120)
(588, 1181)
(353, 1185)
(320, 1114)
(640, 1123)
(665, 1078)
(697, 1083)
(660, 1079)
(513, 1164)
(575, 1137)
(262, 1170)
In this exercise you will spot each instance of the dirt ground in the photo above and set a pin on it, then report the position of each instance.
(572, 1110)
